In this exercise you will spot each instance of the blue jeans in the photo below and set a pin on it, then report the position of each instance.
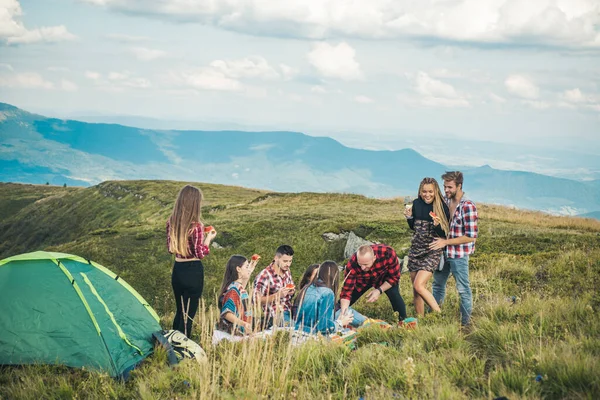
(357, 320)
(287, 319)
(459, 267)
(284, 319)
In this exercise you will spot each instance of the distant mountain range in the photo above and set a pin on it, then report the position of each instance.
(36, 149)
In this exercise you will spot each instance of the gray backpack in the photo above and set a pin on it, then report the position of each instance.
(179, 346)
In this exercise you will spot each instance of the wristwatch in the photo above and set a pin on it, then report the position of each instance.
(380, 291)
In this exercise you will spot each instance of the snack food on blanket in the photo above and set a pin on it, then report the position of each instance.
(408, 323)
(255, 257)
(209, 229)
(290, 286)
(377, 322)
(348, 338)
(432, 214)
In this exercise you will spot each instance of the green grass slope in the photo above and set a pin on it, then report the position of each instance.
(551, 265)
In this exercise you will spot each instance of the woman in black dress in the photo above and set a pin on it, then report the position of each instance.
(428, 217)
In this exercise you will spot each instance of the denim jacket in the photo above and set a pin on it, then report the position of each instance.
(317, 311)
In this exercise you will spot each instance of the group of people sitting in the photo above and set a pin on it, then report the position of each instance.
(310, 307)
(445, 230)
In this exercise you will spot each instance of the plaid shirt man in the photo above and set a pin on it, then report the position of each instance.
(269, 282)
(463, 223)
(385, 269)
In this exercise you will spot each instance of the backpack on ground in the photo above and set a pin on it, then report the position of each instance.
(179, 346)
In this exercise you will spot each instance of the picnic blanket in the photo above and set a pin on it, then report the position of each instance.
(349, 336)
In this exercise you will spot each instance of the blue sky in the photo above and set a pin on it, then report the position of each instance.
(432, 75)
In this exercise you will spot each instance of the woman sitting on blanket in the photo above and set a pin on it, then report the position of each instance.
(235, 321)
(307, 278)
(316, 303)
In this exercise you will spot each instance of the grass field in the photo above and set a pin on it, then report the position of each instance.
(535, 281)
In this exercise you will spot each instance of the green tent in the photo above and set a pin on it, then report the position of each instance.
(58, 308)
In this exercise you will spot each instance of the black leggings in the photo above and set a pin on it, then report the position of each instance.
(188, 282)
(393, 295)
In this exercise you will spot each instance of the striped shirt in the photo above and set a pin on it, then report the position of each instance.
(235, 301)
(463, 223)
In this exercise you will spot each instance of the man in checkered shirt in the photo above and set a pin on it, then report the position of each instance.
(274, 288)
(373, 266)
(460, 244)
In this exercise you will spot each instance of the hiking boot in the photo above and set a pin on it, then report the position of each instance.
(408, 323)
(466, 329)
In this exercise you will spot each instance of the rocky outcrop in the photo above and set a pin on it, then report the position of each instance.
(333, 237)
(353, 243)
(115, 191)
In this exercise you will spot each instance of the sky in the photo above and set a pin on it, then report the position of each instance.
(465, 82)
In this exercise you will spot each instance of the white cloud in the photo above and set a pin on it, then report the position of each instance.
(227, 75)
(206, 79)
(44, 34)
(117, 81)
(335, 61)
(6, 66)
(288, 72)
(496, 98)
(427, 86)
(557, 22)
(12, 30)
(118, 76)
(249, 67)
(33, 80)
(27, 80)
(145, 54)
(521, 86)
(68, 86)
(137, 83)
(92, 75)
(435, 93)
(318, 89)
(363, 99)
(575, 98)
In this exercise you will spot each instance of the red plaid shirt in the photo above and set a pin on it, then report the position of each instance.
(269, 282)
(463, 223)
(196, 247)
(385, 269)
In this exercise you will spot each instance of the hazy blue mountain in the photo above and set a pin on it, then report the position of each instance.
(593, 214)
(14, 171)
(568, 163)
(118, 142)
(36, 149)
(594, 183)
(530, 190)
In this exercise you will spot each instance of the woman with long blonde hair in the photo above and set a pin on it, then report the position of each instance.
(186, 238)
(428, 217)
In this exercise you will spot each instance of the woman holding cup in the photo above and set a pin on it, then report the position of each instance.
(428, 217)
